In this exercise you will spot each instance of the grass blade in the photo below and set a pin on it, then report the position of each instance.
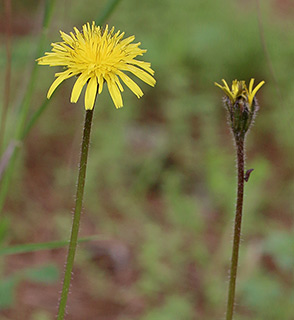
(32, 247)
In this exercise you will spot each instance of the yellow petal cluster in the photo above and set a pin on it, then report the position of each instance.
(96, 56)
(239, 89)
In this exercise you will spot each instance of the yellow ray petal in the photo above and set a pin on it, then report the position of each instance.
(251, 85)
(218, 85)
(226, 89)
(226, 85)
(100, 83)
(252, 94)
(90, 94)
(114, 93)
(257, 88)
(68, 39)
(144, 76)
(78, 86)
(142, 64)
(61, 77)
(126, 41)
(131, 84)
(116, 79)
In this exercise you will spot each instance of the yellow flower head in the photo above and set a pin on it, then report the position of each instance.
(239, 89)
(96, 56)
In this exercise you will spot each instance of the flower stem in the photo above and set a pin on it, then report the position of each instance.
(77, 215)
(237, 227)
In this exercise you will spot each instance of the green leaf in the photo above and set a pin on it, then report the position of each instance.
(31, 247)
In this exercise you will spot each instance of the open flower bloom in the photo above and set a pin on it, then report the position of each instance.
(96, 56)
(239, 89)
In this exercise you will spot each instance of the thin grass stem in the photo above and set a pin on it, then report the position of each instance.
(6, 95)
(107, 11)
(33, 247)
(24, 108)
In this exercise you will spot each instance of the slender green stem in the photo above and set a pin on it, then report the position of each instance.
(77, 215)
(237, 227)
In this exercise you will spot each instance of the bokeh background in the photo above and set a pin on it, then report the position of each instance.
(161, 182)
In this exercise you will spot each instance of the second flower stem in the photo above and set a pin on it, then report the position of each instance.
(77, 214)
(237, 227)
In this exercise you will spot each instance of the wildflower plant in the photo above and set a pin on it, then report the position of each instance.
(95, 56)
(241, 104)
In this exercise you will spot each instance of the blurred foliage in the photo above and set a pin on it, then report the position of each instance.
(161, 175)
(44, 274)
(174, 307)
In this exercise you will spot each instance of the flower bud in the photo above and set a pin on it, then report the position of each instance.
(241, 104)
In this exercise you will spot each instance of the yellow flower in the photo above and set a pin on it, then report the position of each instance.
(239, 89)
(96, 56)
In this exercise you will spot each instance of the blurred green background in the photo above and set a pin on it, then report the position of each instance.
(161, 180)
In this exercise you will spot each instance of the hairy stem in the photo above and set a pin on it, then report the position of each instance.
(237, 228)
(77, 215)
